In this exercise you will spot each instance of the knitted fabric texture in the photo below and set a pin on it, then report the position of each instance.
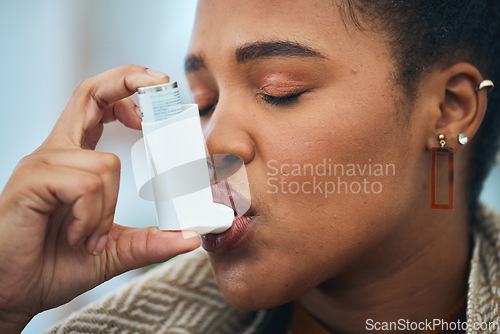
(181, 296)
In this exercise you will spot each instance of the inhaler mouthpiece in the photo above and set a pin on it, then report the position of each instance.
(171, 167)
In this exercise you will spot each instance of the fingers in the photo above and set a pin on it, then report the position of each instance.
(42, 189)
(93, 199)
(110, 164)
(125, 111)
(87, 204)
(95, 101)
(97, 177)
(131, 248)
(95, 96)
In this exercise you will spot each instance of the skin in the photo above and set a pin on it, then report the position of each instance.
(389, 255)
(60, 202)
(346, 257)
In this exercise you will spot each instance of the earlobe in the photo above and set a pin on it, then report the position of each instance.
(462, 104)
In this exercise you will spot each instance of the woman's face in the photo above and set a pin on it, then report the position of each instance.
(308, 102)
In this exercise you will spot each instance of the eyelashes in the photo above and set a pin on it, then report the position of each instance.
(281, 100)
(272, 100)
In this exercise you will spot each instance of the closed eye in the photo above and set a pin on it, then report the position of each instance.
(269, 99)
(281, 100)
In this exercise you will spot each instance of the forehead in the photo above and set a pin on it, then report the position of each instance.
(267, 10)
(223, 26)
(221, 21)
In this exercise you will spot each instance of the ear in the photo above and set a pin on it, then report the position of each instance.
(461, 106)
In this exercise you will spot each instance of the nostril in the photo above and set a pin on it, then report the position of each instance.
(223, 166)
(231, 158)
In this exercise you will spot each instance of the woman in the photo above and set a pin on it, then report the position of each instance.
(351, 95)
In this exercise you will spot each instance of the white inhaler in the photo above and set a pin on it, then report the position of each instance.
(170, 164)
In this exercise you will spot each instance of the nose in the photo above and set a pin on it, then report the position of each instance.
(227, 132)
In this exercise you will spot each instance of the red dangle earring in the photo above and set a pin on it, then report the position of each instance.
(448, 153)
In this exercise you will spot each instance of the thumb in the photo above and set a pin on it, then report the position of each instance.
(86, 107)
(131, 248)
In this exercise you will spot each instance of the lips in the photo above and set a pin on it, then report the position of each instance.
(231, 196)
(244, 219)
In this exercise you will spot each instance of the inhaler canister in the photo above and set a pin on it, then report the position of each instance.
(175, 151)
(159, 102)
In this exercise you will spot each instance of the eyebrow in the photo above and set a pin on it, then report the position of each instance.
(258, 50)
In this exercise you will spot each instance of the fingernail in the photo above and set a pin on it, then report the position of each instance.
(189, 234)
(156, 74)
(138, 111)
(101, 243)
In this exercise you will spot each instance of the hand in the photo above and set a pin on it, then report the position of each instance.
(57, 209)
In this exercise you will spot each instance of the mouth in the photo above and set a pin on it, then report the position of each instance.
(229, 195)
(244, 219)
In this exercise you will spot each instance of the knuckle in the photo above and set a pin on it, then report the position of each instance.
(90, 89)
(29, 164)
(83, 87)
(90, 184)
(109, 163)
(96, 97)
(24, 162)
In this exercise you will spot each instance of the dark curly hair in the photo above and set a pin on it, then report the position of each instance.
(425, 33)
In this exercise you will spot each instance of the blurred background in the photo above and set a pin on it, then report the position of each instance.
(49, 46)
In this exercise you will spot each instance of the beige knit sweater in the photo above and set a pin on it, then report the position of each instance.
(181, 296)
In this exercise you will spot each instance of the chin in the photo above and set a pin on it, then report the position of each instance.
(253, 299)
(255, 290)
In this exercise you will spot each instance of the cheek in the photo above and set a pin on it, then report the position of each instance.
(332, 179)
(327, 183)
(336, 161)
